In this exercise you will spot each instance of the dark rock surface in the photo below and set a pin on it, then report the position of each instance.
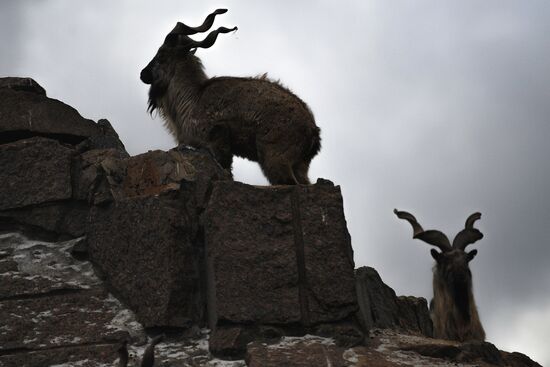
(66, 219)
(264, 253)
(168, 231)
(381, 308)
(22, 84)
(34, 171)
(144, 248)
(50, 158)
(144, 231)
(53, 308)
(268, 251)
(296, 352)
(25, 113)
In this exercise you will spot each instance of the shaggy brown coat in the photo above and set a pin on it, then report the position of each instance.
(453, 309)
(253, 118)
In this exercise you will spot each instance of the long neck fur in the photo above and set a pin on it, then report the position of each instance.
(178, 102)
(450, 319)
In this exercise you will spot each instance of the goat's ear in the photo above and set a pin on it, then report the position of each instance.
(471, 255)
(436, 255)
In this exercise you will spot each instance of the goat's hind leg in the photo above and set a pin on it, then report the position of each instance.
(278, 172)
(300, 172)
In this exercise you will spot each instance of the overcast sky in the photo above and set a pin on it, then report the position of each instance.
(436, 107)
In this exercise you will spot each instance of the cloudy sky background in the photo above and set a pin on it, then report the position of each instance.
(436, 107)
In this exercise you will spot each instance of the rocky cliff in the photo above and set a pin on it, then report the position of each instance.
(99, 250)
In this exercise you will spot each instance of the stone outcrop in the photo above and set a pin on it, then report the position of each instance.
(26, 111)
(35, 171)
(381, 308)
(268, 249)
(49, 156)
(53, 309)
(143, 233)
(166, 241)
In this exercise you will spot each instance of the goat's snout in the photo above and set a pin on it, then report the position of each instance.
(146, 75)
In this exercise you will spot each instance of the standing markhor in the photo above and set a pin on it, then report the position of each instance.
(253, 118)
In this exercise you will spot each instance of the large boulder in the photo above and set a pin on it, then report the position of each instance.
(53, 308)
(381, 308)
(34, 171)
(269, 251)
(22, 84)
(26, 111)
(143, 233)
(49, 156)
(144, 247)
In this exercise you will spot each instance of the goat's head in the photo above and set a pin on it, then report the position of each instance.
(178, 47)
(452, 262)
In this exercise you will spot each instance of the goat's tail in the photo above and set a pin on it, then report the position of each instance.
(315, 145)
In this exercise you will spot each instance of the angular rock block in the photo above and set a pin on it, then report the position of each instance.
(278, 255)
(157, 171)
(34, 171)
(53, 309)
(381, 308)
(143, 233)
(144, 247)
(22, 84)
(25, 111)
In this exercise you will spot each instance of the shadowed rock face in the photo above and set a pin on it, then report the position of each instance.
(268, 252)
(169, 231)
(38, 170)
(25, 111)
(49, 156)
(53, 308)
(381, 308)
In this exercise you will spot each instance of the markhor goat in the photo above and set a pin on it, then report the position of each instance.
(453, 309)
(254, 118)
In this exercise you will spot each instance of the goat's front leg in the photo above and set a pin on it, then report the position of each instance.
(219, 145)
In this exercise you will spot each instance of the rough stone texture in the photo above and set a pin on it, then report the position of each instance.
(268, 251)
(156, 171)
(63, 218)
(81, 356)
(516, 359)
(34, 171)
(251, 255)
(296, 352)
(89, 177)
(413, 314)
(265, 260)
(107, 139)
(144, 246)
(22, 84)
(27, 113)
(53, 308)
(381, 308)
(392, 348)
(471, 352)
(345, 334)
(229, 341)
(147, 213)
(327, 245)
(144, 229)
(77, 318)
(55, 311)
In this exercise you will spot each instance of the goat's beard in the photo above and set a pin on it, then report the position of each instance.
(461, 295)
(156, 91)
